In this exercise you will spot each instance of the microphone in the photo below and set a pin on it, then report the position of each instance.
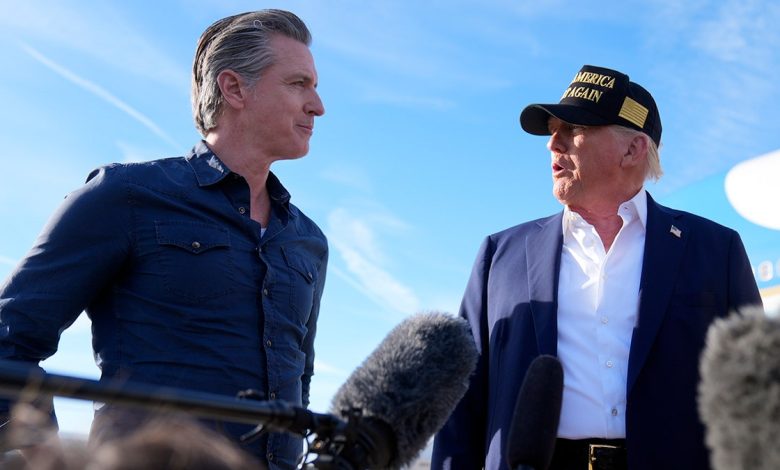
(534, 427)
(383, 416)
(407, 388)
(739, 391)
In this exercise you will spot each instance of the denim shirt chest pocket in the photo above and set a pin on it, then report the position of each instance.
(196, 259)
(303, 281)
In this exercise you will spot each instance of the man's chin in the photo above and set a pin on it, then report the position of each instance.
(561, 194)
(295, 155)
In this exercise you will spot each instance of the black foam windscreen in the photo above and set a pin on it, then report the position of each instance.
(531, 440)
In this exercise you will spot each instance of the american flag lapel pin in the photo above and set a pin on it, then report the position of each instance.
(675, 231)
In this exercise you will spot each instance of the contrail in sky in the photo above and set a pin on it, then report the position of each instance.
(100, 92)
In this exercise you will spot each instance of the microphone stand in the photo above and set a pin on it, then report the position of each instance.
(339, 445)
(275, 415)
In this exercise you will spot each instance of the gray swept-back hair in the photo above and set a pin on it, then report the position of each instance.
(240, 43)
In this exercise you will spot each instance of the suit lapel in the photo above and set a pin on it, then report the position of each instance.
(665, 240)
(543, 250)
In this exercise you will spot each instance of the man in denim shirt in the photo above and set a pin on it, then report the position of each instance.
(197, 272)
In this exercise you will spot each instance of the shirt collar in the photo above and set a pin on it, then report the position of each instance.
(276, 190)
(210, 170)
(637, 206)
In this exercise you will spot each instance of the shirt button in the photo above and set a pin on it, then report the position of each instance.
(609, 364)
(272, 395)
(270, 457)
(265, 292)
(604, 320)
(241, 210)
(268, 343)
(196, 245)
(614, 412)
(310, 276)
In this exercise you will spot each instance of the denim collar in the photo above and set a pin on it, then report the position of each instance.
(209, 170)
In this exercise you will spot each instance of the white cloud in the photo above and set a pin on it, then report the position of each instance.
(6, 261)
(355, 240)
(407, 55)
(350, 177)
(405, 45)
(131, 153)
(740, 31)
(321, 367)
(360, 232)
(99, 31)
(100, 92)
(717, 77)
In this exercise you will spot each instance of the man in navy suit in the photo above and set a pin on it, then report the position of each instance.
(619, 288)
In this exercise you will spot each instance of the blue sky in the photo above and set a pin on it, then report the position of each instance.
(419, 155)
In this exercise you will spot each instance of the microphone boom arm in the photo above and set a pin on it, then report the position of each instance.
(274, 415)
(353, 444)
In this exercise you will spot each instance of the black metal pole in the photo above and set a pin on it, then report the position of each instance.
(16, 380)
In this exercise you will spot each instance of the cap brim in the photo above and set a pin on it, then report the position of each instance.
(534, 117)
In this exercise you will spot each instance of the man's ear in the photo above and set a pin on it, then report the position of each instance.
(636, 152)
(232, 87)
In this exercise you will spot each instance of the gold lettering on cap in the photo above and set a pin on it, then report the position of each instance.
(583, 92)
(605, 81)
(633, 112)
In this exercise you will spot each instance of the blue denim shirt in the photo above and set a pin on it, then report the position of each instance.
(180, 287)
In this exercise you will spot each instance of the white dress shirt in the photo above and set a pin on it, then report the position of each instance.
(598, 302)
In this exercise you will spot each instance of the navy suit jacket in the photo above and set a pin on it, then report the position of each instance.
(511, 305)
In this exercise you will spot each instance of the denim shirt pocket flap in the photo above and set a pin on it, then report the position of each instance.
(193, 237)
(306, 268)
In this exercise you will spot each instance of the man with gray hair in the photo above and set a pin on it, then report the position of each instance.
(620, 288)
(197, 272)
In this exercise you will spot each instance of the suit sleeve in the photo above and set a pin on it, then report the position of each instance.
(743, 291)
(460, 444)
